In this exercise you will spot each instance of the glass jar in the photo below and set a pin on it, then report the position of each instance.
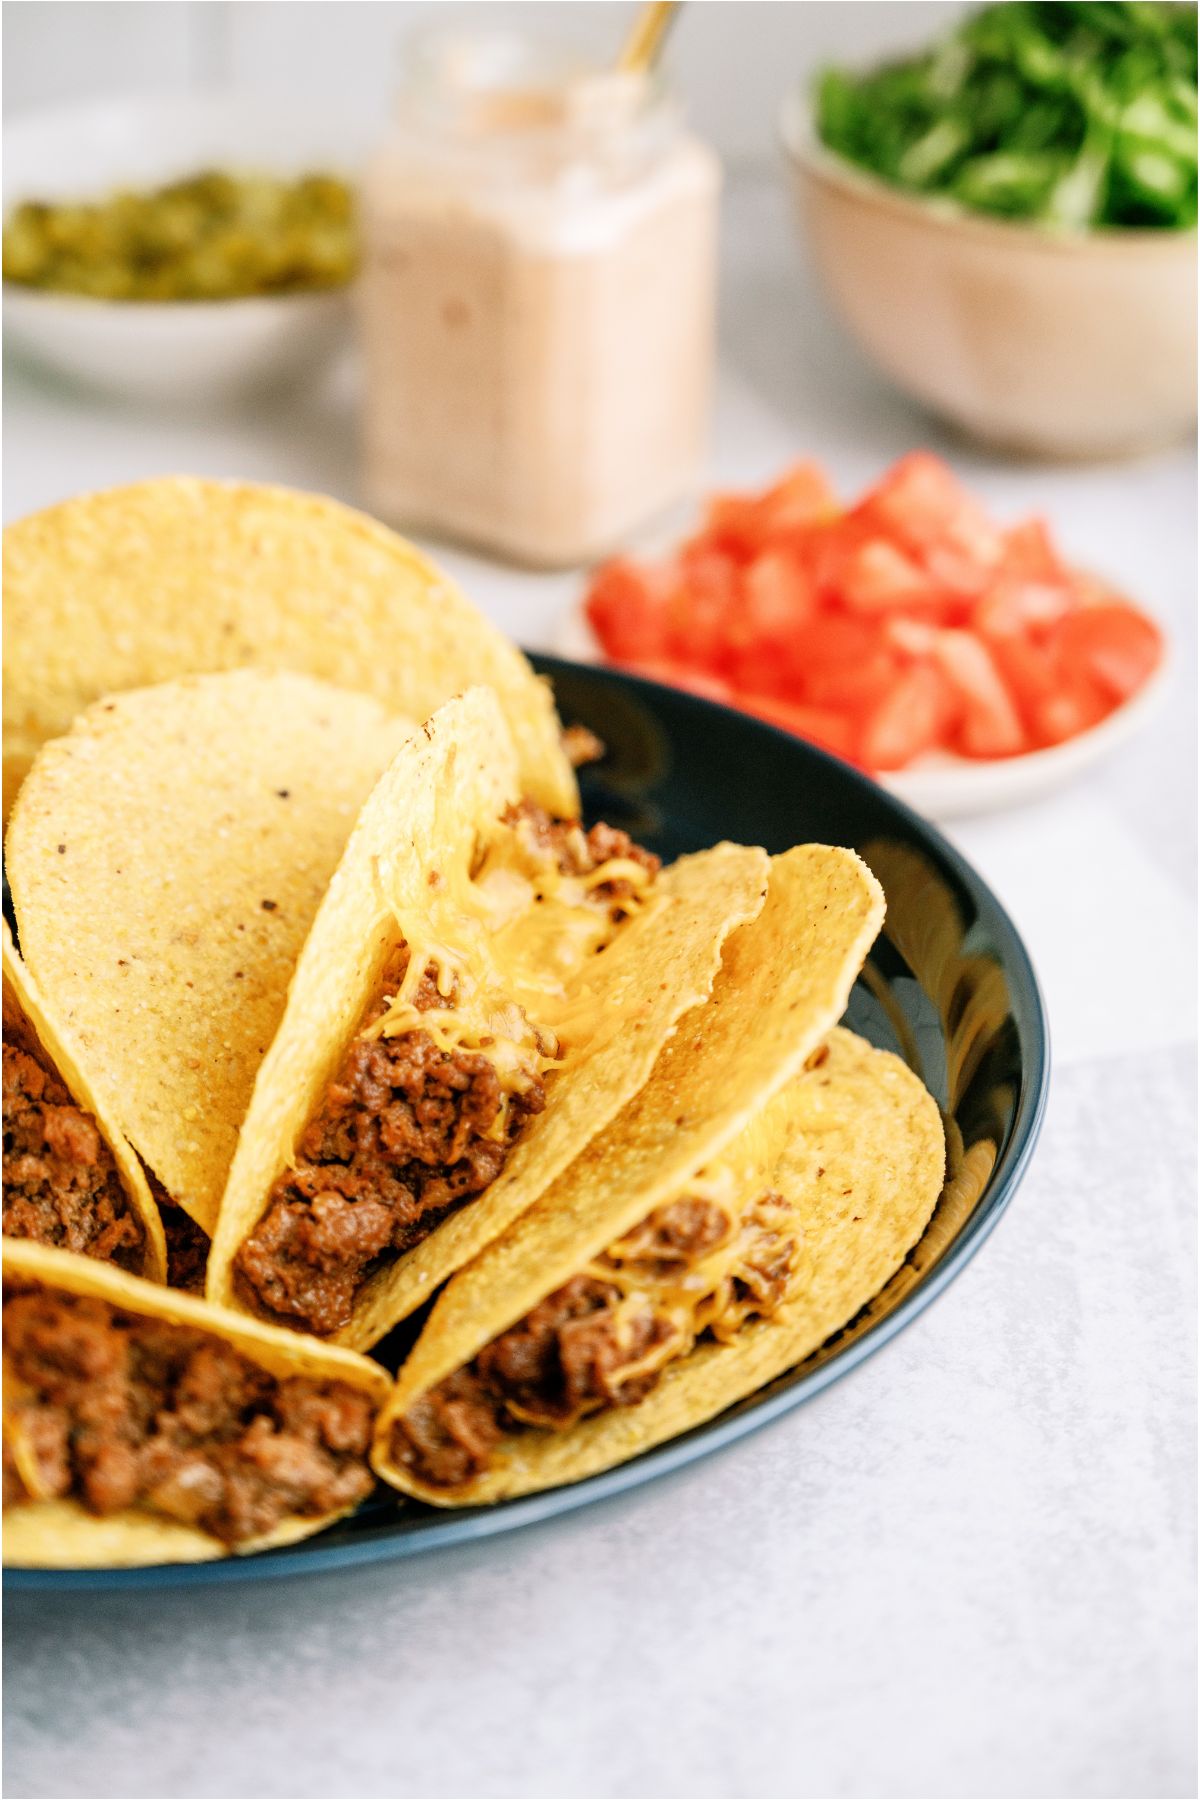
(537, 301)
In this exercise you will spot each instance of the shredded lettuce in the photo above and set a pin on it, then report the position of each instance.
(1070, 114)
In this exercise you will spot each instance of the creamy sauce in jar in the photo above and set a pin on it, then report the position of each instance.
(538, 297)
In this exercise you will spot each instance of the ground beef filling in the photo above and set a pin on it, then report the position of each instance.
(680, 1232)
(61, 1185)
(117, 1411)
(578, 852)
(565, 1358)
(407, 1133)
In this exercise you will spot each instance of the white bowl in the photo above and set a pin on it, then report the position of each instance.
(943, 786)
(175, 349)
(1047, 343)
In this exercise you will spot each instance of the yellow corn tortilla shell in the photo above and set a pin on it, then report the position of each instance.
(179, 576)
(63, 1534)
(784, 980)
(166, 859)
(856, 1144)
(445, 787)
(22, 997)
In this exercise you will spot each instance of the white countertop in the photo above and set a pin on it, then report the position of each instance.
(966, 1570)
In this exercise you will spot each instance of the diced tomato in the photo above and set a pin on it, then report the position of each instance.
(744, 524)
(852, 686)
(757, 666)
(764, 629)
(826, 551)
(879, 578)
(921, 505)
(704, 564)
(801, 499)
(831, 640)
(1072, 705)
(736, 525)
(913, 717)
(957, 577)
(670, 674)
(820, 725)
(776, 595)
(1030, 673)
(972, 536)
(695, 628)
(704, 600)
(1119, 649)
(1012, 608)
(626, 607)
(1054, 703)
(911, 637)
(1028, 554)
(839, 660)
(990, 724)
(911, 621)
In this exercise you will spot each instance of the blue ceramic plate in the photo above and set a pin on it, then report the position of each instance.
(948, 986)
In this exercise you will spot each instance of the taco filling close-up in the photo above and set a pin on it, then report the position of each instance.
(483, 988)
(698, 1267)
(61, 1184)
(755, 1260)
(69, 1180)
(119, 1411)
(131, 1412)
(749, 1199)
(438, 1082)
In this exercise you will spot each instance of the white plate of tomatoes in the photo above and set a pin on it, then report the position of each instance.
(963, 663)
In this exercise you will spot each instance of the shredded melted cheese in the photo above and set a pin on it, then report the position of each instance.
(668, 1297)
(715, 1291)
(509, 942)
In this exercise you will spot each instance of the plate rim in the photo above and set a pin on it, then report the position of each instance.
(471, 1525)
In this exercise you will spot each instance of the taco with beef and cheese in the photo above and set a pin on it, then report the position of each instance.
(765, 1182)
(482, 990)
(166, 859)
(142, 1425)
(70, 1178)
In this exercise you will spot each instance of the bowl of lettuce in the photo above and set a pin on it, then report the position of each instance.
(1006, 221)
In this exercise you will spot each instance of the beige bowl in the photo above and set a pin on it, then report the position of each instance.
(1042, 343)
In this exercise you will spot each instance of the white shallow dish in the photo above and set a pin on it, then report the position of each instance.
(187, 350)
(941, 786)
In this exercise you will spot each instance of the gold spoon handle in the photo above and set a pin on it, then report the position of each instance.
(641, 48)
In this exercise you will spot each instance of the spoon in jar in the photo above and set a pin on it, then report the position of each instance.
(642, 47)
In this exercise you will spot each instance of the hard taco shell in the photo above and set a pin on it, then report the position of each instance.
(166, 859)
(62, 1533)
(179, 576)
(445, 788)
(856, 1144)
(784, 981)
(22, 998)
